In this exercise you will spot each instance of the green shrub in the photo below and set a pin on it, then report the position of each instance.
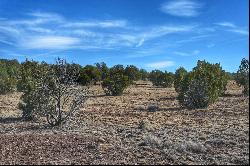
(155, 77)
(54, 93)
(143, 74)
(242, 76)
(207, 78)
(179, 76)
(59, 96)
(168, 79)
(196, 95)
(89, 75)
(132, 72)
(116, 81)
(31, 74)
(103, 69)
(159, 78)
(9, 74)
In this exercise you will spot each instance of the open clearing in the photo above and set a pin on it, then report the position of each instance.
(122, 130)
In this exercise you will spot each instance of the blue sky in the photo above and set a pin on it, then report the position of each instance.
(151, 34)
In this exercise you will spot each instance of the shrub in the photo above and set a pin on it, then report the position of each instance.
(196, 95)
(56, 95)
(159, 78)
(8, 75)
(89, 75)
(156, 77)
(242, 76)
(59, 94)
(143, 74)
(168, 79)
(116, 81)
(230, 76)
(179, 76)
(132, 72)
(103, 69)
(202, 86)
(31, 74)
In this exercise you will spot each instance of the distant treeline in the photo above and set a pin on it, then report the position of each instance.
(11, 70)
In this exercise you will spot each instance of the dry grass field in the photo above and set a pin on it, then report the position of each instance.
(146, 125)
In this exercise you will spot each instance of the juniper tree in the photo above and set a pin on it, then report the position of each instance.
(202, 86)
(242, 76)
(116, 81)
(56, 95)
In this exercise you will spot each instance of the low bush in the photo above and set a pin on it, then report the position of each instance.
(9, 74)
(202, 86)
(132, 72)
(242, 76)
(53, 93)
(180, 74)
(103, 69)
(31, 74)
(196, 95)
(143, 74)
(89, 75)
(159, 78)
(116, 81)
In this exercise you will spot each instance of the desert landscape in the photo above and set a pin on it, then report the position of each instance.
(145, 125)
(107, 82)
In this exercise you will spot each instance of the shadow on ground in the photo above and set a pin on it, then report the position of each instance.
(10, 120)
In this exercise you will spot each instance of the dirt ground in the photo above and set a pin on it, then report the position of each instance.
(130, 129)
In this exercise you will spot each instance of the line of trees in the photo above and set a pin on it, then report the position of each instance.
(53, 90)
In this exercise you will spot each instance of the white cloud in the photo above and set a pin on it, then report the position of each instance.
(52, 31)
(49, 42)
(164, 30)
(140, 42)
(45, 15)
(231, 27)
(7, 42)
(193, 53)
(239, 31)
(38, 18)
(101, 24)
(160, 31)
(226, 24)
(160, 65)
(40, 30)
(182, 8)
(9, 30)
(194, 39)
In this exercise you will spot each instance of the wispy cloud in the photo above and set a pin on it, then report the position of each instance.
(52, 31)
(49, 42)
(193, 53)
(226, 24)
(231, 27)
(140, 42)
(160, 31)
(182, 8)
(40, 30)
(6, 42)
(240, 31)
(160, 65)
(164, 30)
(194, 39)
(101, 24)
(37, 18)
